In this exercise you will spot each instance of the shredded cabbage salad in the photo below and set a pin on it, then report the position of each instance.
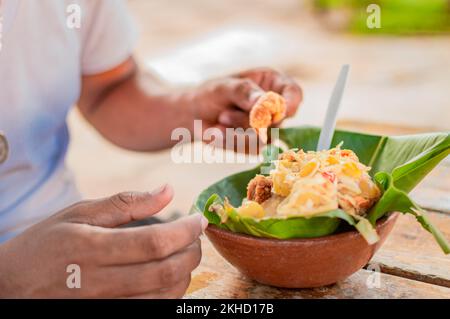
(310, 183)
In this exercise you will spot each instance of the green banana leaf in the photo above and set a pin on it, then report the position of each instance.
(398, 164)
(294, 227)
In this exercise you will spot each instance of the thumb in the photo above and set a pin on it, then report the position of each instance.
(122, 208)
(243, 93)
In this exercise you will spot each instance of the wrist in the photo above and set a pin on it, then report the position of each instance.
(186, 105)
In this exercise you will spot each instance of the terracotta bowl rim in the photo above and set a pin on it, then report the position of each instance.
(351, 233)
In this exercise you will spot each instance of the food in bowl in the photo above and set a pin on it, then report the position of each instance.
(311, 194)
(316, 224)
(308, 184)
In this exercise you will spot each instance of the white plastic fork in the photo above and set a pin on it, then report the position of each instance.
(329, 125)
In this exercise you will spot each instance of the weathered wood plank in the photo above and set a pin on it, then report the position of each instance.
(215, 278)
(433, 192)
(411, 252)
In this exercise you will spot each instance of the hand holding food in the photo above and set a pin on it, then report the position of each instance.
(227, 102)
(148, 261)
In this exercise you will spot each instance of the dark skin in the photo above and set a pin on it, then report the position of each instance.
(130, 109)
(107, 98)
(160, 257)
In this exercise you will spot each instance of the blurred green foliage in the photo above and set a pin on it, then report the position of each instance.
(397, 16)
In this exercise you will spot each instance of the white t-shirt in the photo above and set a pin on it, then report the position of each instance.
(42, 60)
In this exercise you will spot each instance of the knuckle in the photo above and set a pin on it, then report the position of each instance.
(123, 201)
(295, 88)
(191, 229)
(157, 245)
(218, 86)
(169, 273)
(270, 72)
(244, 87)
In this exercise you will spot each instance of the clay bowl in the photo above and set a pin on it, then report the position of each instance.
(298, 263)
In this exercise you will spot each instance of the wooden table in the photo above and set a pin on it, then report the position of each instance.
(410, 263)
(401, 79)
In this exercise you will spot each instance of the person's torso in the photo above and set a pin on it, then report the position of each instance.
(39, 82)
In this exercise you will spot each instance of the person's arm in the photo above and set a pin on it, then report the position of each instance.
(131, 109)
(153, 261)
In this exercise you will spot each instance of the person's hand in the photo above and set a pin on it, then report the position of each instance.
(153, 261)
(226, 102)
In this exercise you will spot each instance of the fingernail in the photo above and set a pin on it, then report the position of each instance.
(204, 222)
(159, 189)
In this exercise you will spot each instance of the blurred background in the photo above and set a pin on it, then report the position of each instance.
(399, 81)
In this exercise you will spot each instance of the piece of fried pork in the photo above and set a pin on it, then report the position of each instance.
(259, 189)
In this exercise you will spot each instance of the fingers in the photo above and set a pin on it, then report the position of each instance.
(293, 95)
(120, 209)
(242, 93)
(161, 278)
(266, 78)
(245, 88)
(146, 243)
(241, 140)
(271, 80)
(234, 118)
(257, 75)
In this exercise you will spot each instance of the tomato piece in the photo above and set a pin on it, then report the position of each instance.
(330, 176)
